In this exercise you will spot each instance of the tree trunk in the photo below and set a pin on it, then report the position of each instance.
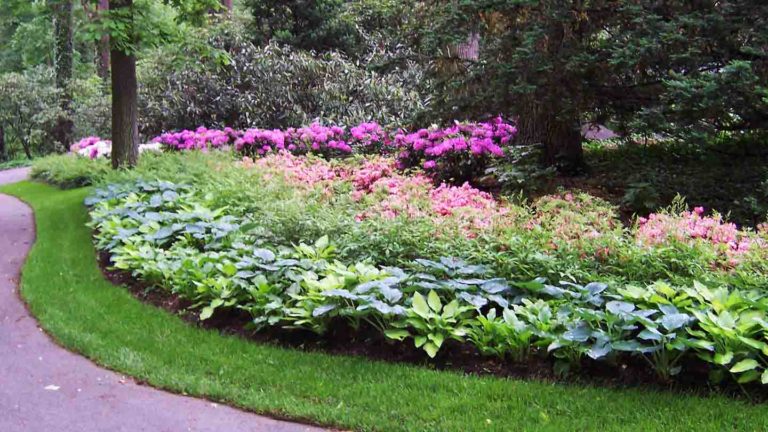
(125, 130)
(102, 66)
(62, 54)
(227, 4)
(559, 134)
(3, 153)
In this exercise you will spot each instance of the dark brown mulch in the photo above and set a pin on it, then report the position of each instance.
(366, 341)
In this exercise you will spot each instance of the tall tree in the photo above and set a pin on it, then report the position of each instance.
(125, 129)
(103, 45)
(675, 66)
(63, 54)
(129, 27)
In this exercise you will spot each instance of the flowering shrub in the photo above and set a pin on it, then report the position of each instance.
(693, 228)
(458, 153)
(369, 138)
(199, 139)
(94, 147)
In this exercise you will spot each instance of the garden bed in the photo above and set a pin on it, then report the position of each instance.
(414, 269)
(367, 342)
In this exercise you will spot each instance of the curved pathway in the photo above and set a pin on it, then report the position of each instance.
(44, 387)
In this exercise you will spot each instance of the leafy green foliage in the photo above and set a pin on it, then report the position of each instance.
(174, 236)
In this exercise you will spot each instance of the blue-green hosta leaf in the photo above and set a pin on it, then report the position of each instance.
(499, 300)
(595, 288)
(475, 300)
(432, 264)
(495, 286)
(744, 365)
(675, 321)
(599, 350)
(619, 307)
(392, 295)
(456, 285)
(265, 255)
(471, 281)
(452, 262)
(578, 334)
(322, 310)
(170, 195)
(156, 200)
(153, 216)
(650, 334)
(668, 309)
(628, 345)
(553, 291)
(339, 293)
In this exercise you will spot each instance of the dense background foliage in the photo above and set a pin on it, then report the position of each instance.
(683, 84)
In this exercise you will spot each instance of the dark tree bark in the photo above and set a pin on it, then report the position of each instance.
(102, 66)
(62, 54)
(125, 130)
(557, 132)
(3, 153)
(227, 5)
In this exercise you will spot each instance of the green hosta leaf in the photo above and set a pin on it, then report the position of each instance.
(420, 305)
(764, 377)
(397, 334)
(436, 338)
(744, 365)
(723, 359)
(450, 310)
(322, 242)
(419, 341)
(434, 301)
(749, 376)
(229, 269)
(207, 311)
(431, 349)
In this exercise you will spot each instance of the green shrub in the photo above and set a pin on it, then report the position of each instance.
(69, 171)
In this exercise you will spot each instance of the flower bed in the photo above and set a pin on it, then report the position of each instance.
(433, 263)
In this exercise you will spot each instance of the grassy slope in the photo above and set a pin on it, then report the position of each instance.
(72, 301)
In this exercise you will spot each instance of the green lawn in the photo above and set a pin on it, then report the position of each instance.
(66, 292)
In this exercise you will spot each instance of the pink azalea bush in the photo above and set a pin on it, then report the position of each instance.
(199, 139)
(456, 154)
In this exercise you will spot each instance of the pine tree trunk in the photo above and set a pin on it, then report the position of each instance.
(558, 133)
(125, 130)
(102, 66)
(62, 54)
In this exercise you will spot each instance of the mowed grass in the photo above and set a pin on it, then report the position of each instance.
(67, 294)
